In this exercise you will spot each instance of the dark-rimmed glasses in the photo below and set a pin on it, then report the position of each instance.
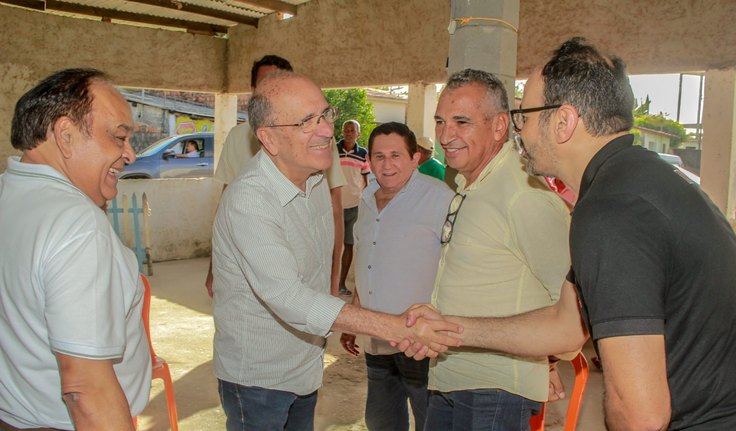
(310, 123)
(452, 211)
(518, 117)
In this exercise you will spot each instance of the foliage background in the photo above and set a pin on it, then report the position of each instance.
(642, 118)
(352, 104)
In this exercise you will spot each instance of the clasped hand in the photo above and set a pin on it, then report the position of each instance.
(426, 334)
(423, 321)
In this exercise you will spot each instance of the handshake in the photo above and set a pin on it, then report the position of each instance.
(420, 332)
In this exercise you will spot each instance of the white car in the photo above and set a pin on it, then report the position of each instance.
(676, 161)
(689, 175)
(672, 159)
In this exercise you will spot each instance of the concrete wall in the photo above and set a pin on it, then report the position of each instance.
(653, 36)
(386, 110)
(33, 45)
(182, 212)
(348, 43)
(718, 160)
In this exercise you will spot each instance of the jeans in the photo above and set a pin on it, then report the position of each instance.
(391, 380)
(259, 409)
(480, 409)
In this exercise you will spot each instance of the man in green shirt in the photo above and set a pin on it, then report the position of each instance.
(428, 165)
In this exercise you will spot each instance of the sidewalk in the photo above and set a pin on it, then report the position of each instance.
(182, 330)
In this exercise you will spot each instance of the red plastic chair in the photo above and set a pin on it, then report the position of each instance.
(580, 365)
(160, 367)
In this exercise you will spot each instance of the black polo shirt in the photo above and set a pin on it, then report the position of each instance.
(651, 254)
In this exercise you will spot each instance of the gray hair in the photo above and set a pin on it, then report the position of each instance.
(260, 108)
(495, 90)
(353, 122)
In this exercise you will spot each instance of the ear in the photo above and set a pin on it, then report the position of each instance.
(566, 120)
(415, 158)
(269, 144)
(64, 131)
(501, 127)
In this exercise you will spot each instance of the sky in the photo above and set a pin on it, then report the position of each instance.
(662, 91)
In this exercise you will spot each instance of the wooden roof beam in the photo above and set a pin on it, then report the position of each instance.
(29, 4)
(199, 10)
(196, 27)
(274, 5)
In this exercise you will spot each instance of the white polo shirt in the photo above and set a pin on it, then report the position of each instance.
(67, 285)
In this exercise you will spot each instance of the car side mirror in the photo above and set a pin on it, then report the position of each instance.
(167, 154)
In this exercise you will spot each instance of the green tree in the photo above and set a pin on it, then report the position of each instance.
(643, 119)
(518, 90)
(352, 104)
(643, 109)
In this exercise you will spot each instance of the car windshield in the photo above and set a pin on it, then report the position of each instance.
(156, 146)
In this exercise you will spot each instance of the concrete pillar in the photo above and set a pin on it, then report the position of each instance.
(486, 40)
(226, 117)
(718, 159)
(420, 109)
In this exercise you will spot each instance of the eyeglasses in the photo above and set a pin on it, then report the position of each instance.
(310, 123)
(518, 117)
(452, 211)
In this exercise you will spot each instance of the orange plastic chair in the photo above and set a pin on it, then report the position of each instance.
(580, 365)
(160, 367)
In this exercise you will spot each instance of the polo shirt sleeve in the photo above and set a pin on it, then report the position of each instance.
(335, 176)
(620, 257)
(535, 215)
(84, 297)
(225, 171)
(366, 168)
(270, 265)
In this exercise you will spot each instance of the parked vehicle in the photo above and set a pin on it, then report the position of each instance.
(689, 175)
(169, 158)
(676, 161)
(672, 159)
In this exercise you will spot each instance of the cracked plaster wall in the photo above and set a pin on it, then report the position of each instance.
(341, 43)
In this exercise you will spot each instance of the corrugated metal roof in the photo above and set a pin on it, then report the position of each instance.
(176, 105)
(201, 16)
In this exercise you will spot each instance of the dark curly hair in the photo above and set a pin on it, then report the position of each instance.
(596, 85)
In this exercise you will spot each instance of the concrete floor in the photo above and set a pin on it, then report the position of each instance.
(182, 331)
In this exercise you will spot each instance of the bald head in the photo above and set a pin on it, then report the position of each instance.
(294, 123)
(276, 86)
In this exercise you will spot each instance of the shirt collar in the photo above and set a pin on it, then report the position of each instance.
(373, 187)
(16, 167)
(36, 170)
(341, 147)
(285, 190)
(599, 159)
(460, 180)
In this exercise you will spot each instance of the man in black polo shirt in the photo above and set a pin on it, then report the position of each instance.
(653, 259)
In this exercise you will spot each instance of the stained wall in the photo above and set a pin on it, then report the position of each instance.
(652, 36)
(347, 43)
